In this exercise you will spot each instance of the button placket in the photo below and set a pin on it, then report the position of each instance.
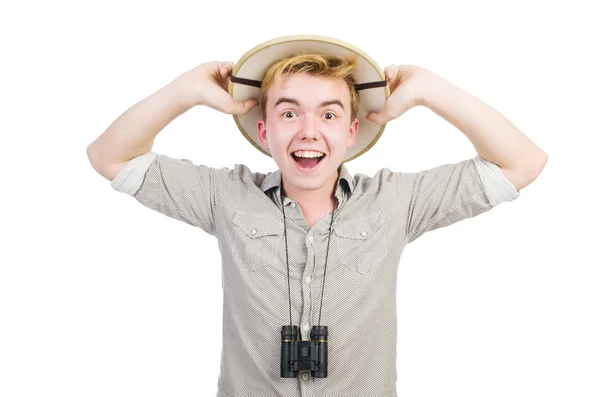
(307, 295)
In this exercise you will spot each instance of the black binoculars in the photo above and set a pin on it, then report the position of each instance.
(298, 355)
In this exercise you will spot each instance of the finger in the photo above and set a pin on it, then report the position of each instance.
(239, 108)
(222, 75)
(373, 117)
(390, 71)
(224, 70)
(225, 64)
(379, 118)
(227, 67)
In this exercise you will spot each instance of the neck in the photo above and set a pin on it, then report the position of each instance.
(321, 199)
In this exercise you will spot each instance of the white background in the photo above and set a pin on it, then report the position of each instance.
(100, 296)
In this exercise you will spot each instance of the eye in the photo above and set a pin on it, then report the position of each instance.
(286, 113)
(330, 118)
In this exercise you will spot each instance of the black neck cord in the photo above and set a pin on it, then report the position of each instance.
(288, 263)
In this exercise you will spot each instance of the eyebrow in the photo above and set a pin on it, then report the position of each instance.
(323, 104)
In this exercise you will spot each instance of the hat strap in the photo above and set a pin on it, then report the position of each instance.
(358, 87)
(239, 80)
(373, 84)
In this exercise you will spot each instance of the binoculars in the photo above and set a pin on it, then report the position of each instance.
(298, 355)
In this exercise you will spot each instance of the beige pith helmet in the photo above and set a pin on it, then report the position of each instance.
(371, 84)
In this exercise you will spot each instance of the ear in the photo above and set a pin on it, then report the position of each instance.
(352, 133)
(261, 134)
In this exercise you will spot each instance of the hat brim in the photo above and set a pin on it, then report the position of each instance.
(254, 64)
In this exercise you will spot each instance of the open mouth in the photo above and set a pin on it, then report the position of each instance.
(307, 164)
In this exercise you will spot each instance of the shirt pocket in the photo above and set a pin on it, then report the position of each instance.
(361, 242)
(257, 239)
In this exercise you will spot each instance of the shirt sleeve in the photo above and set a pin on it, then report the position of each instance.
(446, 194)
(175, 187)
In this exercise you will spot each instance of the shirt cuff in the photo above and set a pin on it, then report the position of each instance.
(131, 176)
(496, 185)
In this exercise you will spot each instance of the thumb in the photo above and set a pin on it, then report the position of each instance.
(243, 107)
(378, 118)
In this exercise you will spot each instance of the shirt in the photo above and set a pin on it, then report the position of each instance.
(375, 218)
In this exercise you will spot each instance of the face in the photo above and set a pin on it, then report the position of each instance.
(306, 112)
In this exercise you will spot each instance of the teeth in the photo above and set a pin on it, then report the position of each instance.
(310, 154)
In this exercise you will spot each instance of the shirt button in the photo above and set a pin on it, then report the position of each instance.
(293, 205)
(363, 233)
(253, 231)
(311, 238)
(305, 376)
(308, 280)
(305, 327)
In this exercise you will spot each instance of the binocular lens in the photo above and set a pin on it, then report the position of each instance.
(318, 335)
(289, 339)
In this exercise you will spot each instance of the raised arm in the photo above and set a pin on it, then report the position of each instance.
(507, 160)
(493, 136)
(133, 133)
(178, 188)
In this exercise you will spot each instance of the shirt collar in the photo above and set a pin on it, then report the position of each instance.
(274, 179)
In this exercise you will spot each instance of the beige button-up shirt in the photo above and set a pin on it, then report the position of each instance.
(376, 217)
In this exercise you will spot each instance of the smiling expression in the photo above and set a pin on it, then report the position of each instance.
(307, 112)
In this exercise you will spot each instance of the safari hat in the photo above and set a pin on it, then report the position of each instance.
(371, 84)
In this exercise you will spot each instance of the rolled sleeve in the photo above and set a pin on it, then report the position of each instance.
(176, 188)
(130, 178)
(446, 194)
(496, 185)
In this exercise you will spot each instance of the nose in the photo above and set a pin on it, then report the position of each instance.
(309, 128)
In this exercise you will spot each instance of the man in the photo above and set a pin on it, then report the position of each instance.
(283, 234)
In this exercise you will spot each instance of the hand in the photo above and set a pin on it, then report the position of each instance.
(404, 82)
(207, 84)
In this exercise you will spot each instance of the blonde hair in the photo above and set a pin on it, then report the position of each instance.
(317, 65)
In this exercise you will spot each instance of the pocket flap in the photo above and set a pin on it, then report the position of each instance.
(256, 225)
(360, 229)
